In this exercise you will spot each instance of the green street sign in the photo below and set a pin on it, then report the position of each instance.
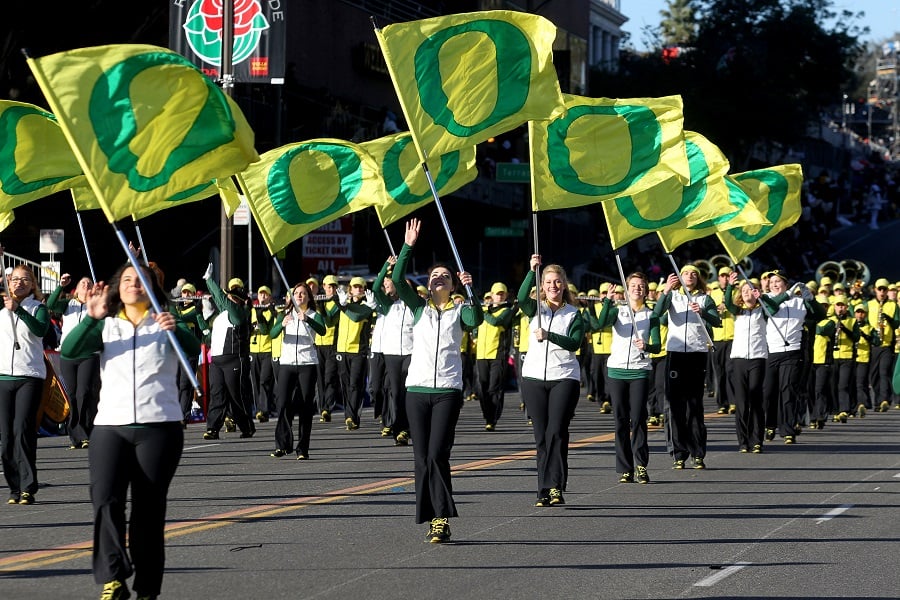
(503, 232)
(513, 172)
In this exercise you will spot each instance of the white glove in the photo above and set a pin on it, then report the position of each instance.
(805, 293)
(209, 272)
(370, 299)
(342, 296)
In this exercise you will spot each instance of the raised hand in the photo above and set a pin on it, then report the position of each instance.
(65, 279)
(209, 272)
(412, 231)
(96, 302)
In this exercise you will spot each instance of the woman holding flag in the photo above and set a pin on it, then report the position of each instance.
(434, 382)
(138, 437)
(690, 310)
(551, 375)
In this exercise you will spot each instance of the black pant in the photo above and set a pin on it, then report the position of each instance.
(19, 401)
(145, 458)
(295, 394)
(262, 377)
(721, 373)
(352, 368)
(844, 371)
(599, 377)
(685, 426)
(629, 402)
(396, 367)
(377, 388)
(328, 383)
(229, 388)
(881, 361)
(81, 376)
(782, 388)
(823, 398)
(490, 383)
(656, 398)
(432, 424)
(748, 375)
(862, 385)
(185, 390)
(551, 406)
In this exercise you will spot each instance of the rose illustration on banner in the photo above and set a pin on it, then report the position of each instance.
(203, 29)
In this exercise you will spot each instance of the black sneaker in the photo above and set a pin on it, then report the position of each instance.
(115, 590)
(439, 531)
(626, 477)
(757, 449)
(302, 456)
(543, 501)
(678, 464)
(230, 427)
(556, 497)
(13, 498)
(698, 463)
(262, 417)
(26, 498)
(402, 439)
(277, 453)
(325, 417)
(642, 475)
(211, 435)
(770, 435)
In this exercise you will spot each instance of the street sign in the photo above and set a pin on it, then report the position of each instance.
(52, 241)
(513, 172)
(503, 232)
(242, 213)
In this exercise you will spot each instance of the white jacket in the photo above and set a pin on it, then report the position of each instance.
(397, 330)
(685, 329)
(72, 316)
(789, 321)
(750, 335)
(298, 346)
(623, 354)
(545, 360)
(138, 369)
(28, 359)
(436, 361)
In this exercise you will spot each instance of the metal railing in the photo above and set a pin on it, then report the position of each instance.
(49, 278)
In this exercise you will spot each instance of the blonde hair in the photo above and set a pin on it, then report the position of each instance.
(567, 293)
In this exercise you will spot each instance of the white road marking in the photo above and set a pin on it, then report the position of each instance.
(726, 572)
(833, 513)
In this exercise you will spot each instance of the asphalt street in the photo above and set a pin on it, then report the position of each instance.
(812, 520)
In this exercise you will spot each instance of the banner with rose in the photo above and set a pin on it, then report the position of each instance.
(299, 187)
(405, 185)
(606, 148)
(259, 34)
(775, 192)
(35, 158)
(464, 78)
(146, 126)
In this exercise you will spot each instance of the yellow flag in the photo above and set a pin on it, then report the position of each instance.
(606, 148)
(145, 124)
(84, 198)
(35, 158)
(405, 185)
(464, 78)
(299, 187)
(6, 219)
(776, 193)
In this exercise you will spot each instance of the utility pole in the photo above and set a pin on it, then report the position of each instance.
(226, 227)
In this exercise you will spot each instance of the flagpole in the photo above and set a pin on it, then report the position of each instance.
(388, 239)
(437, 202)
(140, 238)
(284, 280)
(634, 330)
(87, 252)
(12, 319)
(709, 341)
(537, 270)
(226, 227)
(154, 302)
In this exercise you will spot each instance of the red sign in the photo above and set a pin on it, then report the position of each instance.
(328, 248)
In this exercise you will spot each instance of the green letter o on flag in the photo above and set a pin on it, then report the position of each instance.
(778, 189)
(281, 189)
(115, 126)
(394, 180)
(10, 182)
(645, 133)
(514, 65)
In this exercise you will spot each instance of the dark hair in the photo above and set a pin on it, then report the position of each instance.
(289, 302)
(114, 302)
(457, 284)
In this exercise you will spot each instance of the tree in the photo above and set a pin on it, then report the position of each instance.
(679, 23)
(756, 74)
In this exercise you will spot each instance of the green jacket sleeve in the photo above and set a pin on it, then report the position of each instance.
(84, 340)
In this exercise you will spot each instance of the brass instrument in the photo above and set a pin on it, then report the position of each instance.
(837, 335)
(850, 272)
(706, 268)
(723, 260)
